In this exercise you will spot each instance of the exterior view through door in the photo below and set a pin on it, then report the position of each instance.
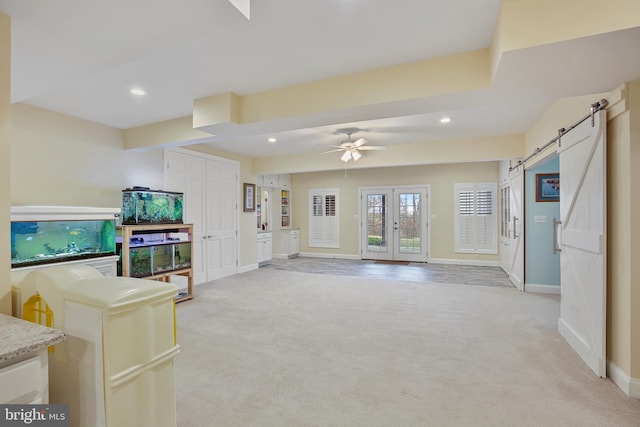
(394, 223)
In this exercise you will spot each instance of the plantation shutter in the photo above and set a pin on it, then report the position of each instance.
(476, 218)
(323, 218)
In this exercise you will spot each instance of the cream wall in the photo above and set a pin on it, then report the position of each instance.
(440, 177)
(5, 111)
(61, 160)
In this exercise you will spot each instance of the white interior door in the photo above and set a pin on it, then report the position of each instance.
(582, 240)
(210, 188)
(394, 225)
(186, 174)
(221, 219)
(515, 264)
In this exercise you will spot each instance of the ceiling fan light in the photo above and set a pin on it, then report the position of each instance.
(346, 156)
(356, 155)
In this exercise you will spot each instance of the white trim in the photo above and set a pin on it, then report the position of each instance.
(328, 255)
(474, 262)
(629, 386)
(542, 289)
(247, 268)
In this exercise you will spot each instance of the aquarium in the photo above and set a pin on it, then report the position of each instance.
(48, 241)
(182, 255)
(140, 259)
(152, 254)
(141, 205)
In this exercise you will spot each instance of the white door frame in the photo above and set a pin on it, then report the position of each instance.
(426, 219)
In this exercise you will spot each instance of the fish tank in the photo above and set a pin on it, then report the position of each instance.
(140, 205)
(44, 235)
(148, 259)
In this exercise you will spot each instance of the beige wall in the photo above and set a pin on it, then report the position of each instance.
(440, 177)
(5, 111)
(61, 160)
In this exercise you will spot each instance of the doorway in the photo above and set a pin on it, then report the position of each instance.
(394, 224)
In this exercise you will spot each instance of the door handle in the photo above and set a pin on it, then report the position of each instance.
(515, 227)
(557, 236)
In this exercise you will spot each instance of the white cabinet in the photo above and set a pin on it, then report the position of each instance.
(265, 248)
(288, 243)
(271, 181)
(294, 240)
(28, 380)
(284, 180)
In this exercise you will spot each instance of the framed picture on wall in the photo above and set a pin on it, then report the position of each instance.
(547, 187)
(249, 191)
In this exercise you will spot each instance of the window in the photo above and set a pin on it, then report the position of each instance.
(476, 218)
(324, 218)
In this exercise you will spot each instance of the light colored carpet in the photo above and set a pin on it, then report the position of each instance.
(281, 348)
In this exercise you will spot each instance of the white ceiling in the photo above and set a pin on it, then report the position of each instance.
(81, 57)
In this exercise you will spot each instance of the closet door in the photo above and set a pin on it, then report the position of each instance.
(221, 215)
(186, 174)
(210, 187)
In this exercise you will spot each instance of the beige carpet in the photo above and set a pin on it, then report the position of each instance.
(280, 348)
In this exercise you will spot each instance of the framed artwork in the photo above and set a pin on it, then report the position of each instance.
(547, 187)
(249, 191)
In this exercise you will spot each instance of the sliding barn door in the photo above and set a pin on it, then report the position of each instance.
(511, 230)
(582, 240)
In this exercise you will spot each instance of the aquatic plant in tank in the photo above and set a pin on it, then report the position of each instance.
(140, 205)
(42, 242)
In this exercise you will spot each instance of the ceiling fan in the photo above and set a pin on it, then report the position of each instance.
(352, 148)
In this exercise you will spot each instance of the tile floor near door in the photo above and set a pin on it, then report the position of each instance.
(414, 272)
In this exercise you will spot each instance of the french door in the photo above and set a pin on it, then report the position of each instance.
(582, 240)
(394, 223)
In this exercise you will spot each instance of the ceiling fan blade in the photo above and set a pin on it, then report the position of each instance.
(371, 148)
(332, 151)
(359, 142)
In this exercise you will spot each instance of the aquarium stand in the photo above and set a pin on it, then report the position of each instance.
(157, 252)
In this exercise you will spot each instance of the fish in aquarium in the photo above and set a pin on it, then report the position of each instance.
(140, 205)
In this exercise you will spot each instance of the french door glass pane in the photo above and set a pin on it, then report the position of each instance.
(409, 223)
(377, 211)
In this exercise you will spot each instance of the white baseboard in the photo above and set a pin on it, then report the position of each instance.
(542, 289)
(331, 256)
(247, 268)
(476, 262)
(629, 386)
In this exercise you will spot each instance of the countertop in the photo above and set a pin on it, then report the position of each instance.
(19, 338)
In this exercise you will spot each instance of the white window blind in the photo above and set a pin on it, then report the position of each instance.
(476, 218)
(323, 218)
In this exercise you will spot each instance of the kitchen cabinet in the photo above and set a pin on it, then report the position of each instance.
(24, 363)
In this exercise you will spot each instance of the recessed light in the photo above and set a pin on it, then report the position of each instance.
(137, 91)
(445, 120)
(272, 140)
